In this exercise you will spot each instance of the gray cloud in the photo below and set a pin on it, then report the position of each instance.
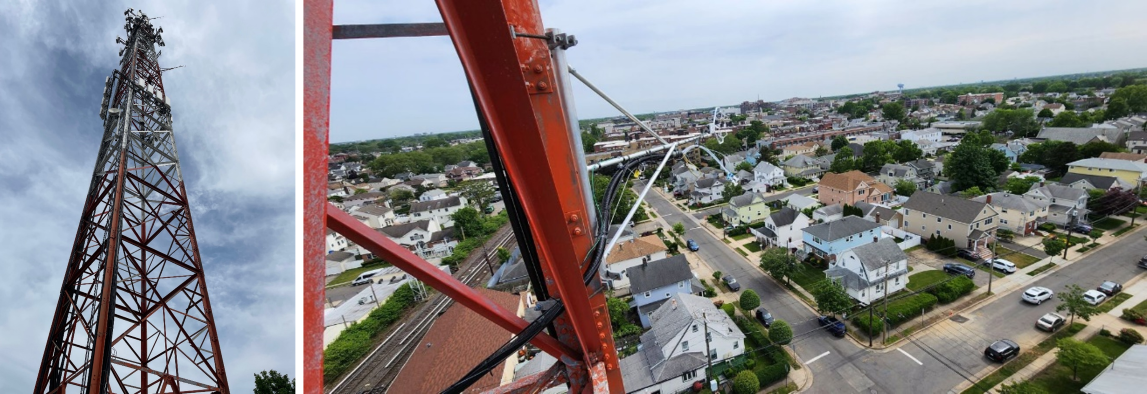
(234, 123)
(675, 54)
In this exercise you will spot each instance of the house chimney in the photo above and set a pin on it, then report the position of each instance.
(875, 239)
(989, 201)
(674, 302)
(1040, 183)
(878, 218)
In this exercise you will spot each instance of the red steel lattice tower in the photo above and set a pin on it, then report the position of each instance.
(133, 313)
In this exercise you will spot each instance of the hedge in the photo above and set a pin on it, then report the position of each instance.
(729, 308)
(772, 373)
(1130, 336)
(752, 331)
(871, 327)
(354, 342)
(941, 245)
(953, 289)
(899, 311)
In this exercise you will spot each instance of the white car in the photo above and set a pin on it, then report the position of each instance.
(1094, 297)
(1003, 266)
(1037, 295)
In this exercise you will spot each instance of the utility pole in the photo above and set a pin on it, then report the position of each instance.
(870, 324)
(372, 293)
(992, 265)
(884, 322)
(1071, 223)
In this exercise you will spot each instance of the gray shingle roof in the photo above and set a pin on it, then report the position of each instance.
(399, 230)
(837, 229)
(1079, 135)
(1110, 163)
(1099, 181)
(1058, 191)
(800, 161)
(658, 273)
(872, 255)
(339, 256)
(784, 217)
(896, 170)
(707, 183)
(423, 206)
(950, 207)
(1017, 202)
(373, 209)
(743, 200)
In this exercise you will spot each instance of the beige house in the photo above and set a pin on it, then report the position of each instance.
(745, 209)
(628, 254)
(971, 224)
(1018, 213)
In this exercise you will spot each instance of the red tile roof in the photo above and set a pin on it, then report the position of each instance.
(457, 341)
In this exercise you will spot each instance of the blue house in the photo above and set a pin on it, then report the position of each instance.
(1011, 154)
(655, 282)
(827, 240)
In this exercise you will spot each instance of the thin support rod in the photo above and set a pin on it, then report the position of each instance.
(636, 204)
(565, 89)
(616, 105)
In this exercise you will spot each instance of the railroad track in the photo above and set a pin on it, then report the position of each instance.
(376, 372)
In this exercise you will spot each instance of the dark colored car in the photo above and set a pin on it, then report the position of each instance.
(1080, 228)
(692, 245)
(1143, 262)
(966, 254)
(764, 317)
(1002, 350)
(960, 269)
(731, 282)
(1110, 288)
(834, 326)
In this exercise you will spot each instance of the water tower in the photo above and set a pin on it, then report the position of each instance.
(901, 86)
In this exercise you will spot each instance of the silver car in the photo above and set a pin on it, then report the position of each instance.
(1037, 295)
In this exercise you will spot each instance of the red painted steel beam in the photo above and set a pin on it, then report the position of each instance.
(397, 255)
(317, 22)
(515, 82)
(535, 383)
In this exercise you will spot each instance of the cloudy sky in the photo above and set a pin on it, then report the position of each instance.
(233, 106)
(676, 54)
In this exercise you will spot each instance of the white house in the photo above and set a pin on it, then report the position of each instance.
(439, 210)
(828, 213)
(800, 203)
(1068, 204)
(340, 261)
(930, 134)
(673, 352)
(374, 215)
(424, 237)
(335, 241)
(654, 282)
(362, 199)
(767, 176)
(863, 270)
(628, 254)
(782, 228)
(432, 194)
(707, 190)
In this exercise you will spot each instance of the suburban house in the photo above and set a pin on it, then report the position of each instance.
(335, 241)
(362, 199)
(892, 173)
(1137, 141)
(828, 213)
(1068, 204)
(672, 354)
(1127, 171)
(424, 237)
(828, 240)
(684, 175)
(1020, 214)
(460, 174)
(340, 261)
(970, 224)
(864, 270)
(432, 194)
(336, 189)
(801, 149)
(880, 214)
(1081, 135)
(706, 190)
(766, 177)
(925, 169)
(654, 282)
(747, 208)
(731, 161)
(1088, 182)
(802, 166)
(628, 254)
(852, 187)
(1139, 157)
(1008, 152)
(439, 210)
(917, 136)
(432, 180)
(374, 215)
(782, 229)
(799, 202)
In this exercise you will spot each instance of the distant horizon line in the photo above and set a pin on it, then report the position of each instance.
(774, 101)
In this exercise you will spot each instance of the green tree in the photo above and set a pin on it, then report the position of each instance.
(876, 154)
(749, 300)
(1039, 87)
(469, 222)
(949, 97)
(1019, 121)
(960, 115)
(503, 254)
(627, 199)
(1058, 87)
(478, 193)
(907, 151)
(434, 142)
(1067, 119)
(1072, 302)
(780, 332)
(679, 228)
(743, 166)
(400, 196)
(1074, 353)
(1117, 108)
(1096, 148)
(1021, 387)
(970, 165)
(893, 110)
(838, 142)
(618, 308)
(1017, 185)
(779, 263)
(973, 191)
(1051, 154)
(1045, 113)
(587, 142)
(905, 187)
(746, 383)
(820, 151)
(272, 382)
(831, 298)
(717, 275)
(1053, 245)
(731, 189)
(1135, 96)
(335, 198)
(843, 162)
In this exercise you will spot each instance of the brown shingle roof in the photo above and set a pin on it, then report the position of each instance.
(848, 181)
(451, 347)
(1122, 156)
(643, 246)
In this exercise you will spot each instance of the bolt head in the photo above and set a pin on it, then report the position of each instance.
(543, 86)
(577, 231)
(537, 69)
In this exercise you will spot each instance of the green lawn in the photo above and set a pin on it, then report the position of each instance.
(1108, 223)
(1141, 308)
(1056, 378)
(753, 247)
(1041, 269)
(1022, 260)
(806, 275)
(741, 236)
(924, 279)
(350, 274)
(742, 252)
(1113, 302)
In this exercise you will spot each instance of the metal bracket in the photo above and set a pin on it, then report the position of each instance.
(539, 77)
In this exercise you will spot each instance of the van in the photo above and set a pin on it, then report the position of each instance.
(364, 278)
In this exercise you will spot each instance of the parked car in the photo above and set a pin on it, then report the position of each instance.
(1002, 350)
(764, 317)
(692, 245)
(967, 254)
(1094, 297)
(960, 269)
(489, 209)
(1110, 288)
(834, 326)
(731, 282)
(1037, 295)
(1002, 265)
(365, 278)
(1080, 228)
(1050, 322)
(1143, 262)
